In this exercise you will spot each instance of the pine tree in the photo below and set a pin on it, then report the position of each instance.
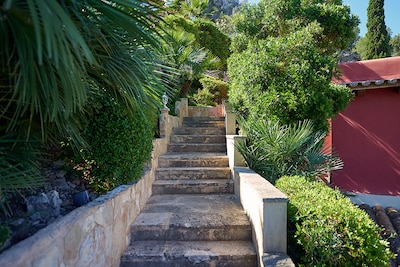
(377, 35)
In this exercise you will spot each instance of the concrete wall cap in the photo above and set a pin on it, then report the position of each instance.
(266, 191)
(235, 136)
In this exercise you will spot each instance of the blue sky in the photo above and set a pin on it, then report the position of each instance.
(359, 8)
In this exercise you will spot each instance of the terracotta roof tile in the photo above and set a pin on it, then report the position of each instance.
(389, 220)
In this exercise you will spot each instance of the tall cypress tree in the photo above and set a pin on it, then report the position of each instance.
(377, 35)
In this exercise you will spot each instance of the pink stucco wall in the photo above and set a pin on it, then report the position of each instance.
(366, 135)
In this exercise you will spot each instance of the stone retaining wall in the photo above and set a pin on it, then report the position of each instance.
(93, 235)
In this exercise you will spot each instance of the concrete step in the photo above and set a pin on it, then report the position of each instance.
(192, 173)
(204, 186)
(193, 160)
(192, 218)
(190, 147)
(202, 139)
(217, 124)
(198, 131)
(197, 253)
(202, 119)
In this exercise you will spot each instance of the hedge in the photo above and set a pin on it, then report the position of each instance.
(326, 229)
(120, 144)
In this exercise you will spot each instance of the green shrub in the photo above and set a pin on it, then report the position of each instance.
(212, 92)
(4, 234)
(203, 97)
(286, 79)
(329, 229)
(274, 150)
(210, 37)
(120, 143)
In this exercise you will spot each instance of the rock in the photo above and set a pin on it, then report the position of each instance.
(58, 165)
(61, 184)
(72, 185)
(18, 222)
(43, 207)
(34, 203)
(92, 196)
(55, 201)
(21, 232)
(61, 174)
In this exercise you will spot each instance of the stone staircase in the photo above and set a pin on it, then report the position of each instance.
(192, 218)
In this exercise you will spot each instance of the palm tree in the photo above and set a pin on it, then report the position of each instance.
(274, 150)
(181, 48)
(192, 9)
(55, 54)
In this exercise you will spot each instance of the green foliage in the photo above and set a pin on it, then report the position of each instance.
(52, 54)
(361, 47)
(120, 143)
(207, 36)
(377, 44)
(223, 7)
(287, 79)
(193, 46)
(191, 9)
(329, 229)
(19, 169)
(281, 17)
(203, 97)
(212, 93)
(210, 9)
(4, 234)
(395, 45)
(268, 18)
(122, 57)
(210, 37)
(274, 150)
(337, 24)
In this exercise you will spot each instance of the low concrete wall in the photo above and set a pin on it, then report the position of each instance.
(235, 158)
(93, 235)
(266, 207)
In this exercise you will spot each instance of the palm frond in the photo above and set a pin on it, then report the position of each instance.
(274, 150)
(19, 168)
(54, 55)
(51, 51)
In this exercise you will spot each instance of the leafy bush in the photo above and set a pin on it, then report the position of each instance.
(210, 37)
(286, 79)
(203, 97)
(329, 229)
(214, 90)
(274, 150)
(120, 143)
(281, 17)
(207, 36)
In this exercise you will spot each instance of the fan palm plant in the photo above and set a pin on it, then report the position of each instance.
(55, 54)
(185, 54)
(192, 9)
(274, 150)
